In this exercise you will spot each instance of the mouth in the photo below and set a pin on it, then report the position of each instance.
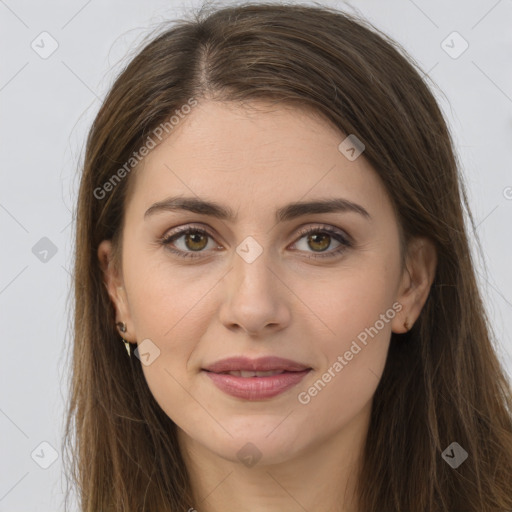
(256, 379)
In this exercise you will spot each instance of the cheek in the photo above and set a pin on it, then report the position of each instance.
(342, 390)
(353, 358)
(165, 297)
(356, 309)
(172, 307)
(352, 300)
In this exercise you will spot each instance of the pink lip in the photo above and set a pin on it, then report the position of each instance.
(261, 364)
(256, 388)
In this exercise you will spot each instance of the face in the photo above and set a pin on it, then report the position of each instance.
(322, 288)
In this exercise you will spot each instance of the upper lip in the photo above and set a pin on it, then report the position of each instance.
(261, 364)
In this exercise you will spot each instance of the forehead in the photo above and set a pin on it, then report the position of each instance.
(254, 158)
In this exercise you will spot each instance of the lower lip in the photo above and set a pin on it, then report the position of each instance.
(256, 388)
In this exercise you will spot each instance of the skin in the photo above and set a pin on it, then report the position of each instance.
(285, 303)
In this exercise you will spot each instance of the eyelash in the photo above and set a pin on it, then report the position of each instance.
(345, 243)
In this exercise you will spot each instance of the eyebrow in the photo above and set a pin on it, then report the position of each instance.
(286, 213)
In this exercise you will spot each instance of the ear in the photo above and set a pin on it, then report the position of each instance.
(113, 280)
(417, 279)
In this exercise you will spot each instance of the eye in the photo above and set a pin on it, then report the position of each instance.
(320, 239)
(194, 240)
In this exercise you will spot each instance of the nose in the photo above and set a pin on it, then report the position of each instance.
(255, 299)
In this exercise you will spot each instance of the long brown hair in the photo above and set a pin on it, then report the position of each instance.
(442, 382)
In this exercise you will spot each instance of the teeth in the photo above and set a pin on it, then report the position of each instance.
(243, 373)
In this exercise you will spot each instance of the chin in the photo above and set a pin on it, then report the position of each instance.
(254, 441)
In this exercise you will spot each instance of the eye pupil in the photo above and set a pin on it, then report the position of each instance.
(314, 239)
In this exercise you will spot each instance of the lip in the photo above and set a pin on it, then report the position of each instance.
(261, 364)
(256, 388)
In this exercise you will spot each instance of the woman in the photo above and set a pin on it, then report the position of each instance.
(271, 218)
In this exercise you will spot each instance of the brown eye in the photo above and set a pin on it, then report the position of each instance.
(195, 241)
(316, 241)
(187, 242)
(319, 242)
(192, 242)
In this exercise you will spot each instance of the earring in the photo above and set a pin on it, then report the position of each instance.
(122, 327)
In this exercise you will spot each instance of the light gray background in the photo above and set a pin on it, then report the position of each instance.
(47, 106)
